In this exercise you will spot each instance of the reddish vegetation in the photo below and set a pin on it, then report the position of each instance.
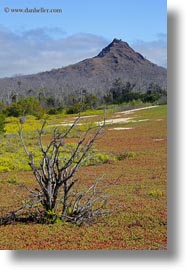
(139, 217)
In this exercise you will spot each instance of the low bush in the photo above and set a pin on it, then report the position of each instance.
(125, 155)
(12, 180)
(155, 193)
(2, 123)
(24, 106)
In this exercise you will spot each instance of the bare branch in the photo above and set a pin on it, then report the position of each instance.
(20, 132)
(56, 179)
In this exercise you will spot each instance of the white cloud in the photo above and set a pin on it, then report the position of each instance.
(155, 51)
(43, 49)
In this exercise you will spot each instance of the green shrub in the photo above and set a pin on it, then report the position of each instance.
(155, 193)
(2, 123)
(96, 158)
(12, 180)
(125, 155)
(56, 110)
(24, 106)
(75, 108)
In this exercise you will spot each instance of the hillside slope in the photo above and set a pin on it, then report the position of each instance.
(96, 75)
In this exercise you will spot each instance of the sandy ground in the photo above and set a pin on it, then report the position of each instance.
(117, 120)
(121, 128)
(135, 110)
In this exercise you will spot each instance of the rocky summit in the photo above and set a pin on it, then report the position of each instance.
(95, 75)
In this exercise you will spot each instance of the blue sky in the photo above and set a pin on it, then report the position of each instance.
(38, 42)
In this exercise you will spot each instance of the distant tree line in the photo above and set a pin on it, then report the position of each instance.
(81, 100)
(40, 105)
(123, 92)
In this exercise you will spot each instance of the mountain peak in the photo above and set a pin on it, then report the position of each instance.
(96, 75)
(115, 40)
(116, 44)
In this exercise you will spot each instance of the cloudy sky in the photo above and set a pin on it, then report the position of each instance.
(35, 42)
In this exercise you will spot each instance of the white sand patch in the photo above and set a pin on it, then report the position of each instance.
(158, 140)
(159, 120)
(135, 110)
(115, 121)
(141, 120)
(70, 123)
(108, 122)
(117, 116)
(64, 124)
(121, 120)
(121, 128)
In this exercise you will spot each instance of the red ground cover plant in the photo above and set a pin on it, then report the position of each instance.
(139, 200)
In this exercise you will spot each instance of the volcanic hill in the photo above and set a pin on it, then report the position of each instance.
(96, 75)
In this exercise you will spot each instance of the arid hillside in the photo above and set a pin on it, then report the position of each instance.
(95, 75)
